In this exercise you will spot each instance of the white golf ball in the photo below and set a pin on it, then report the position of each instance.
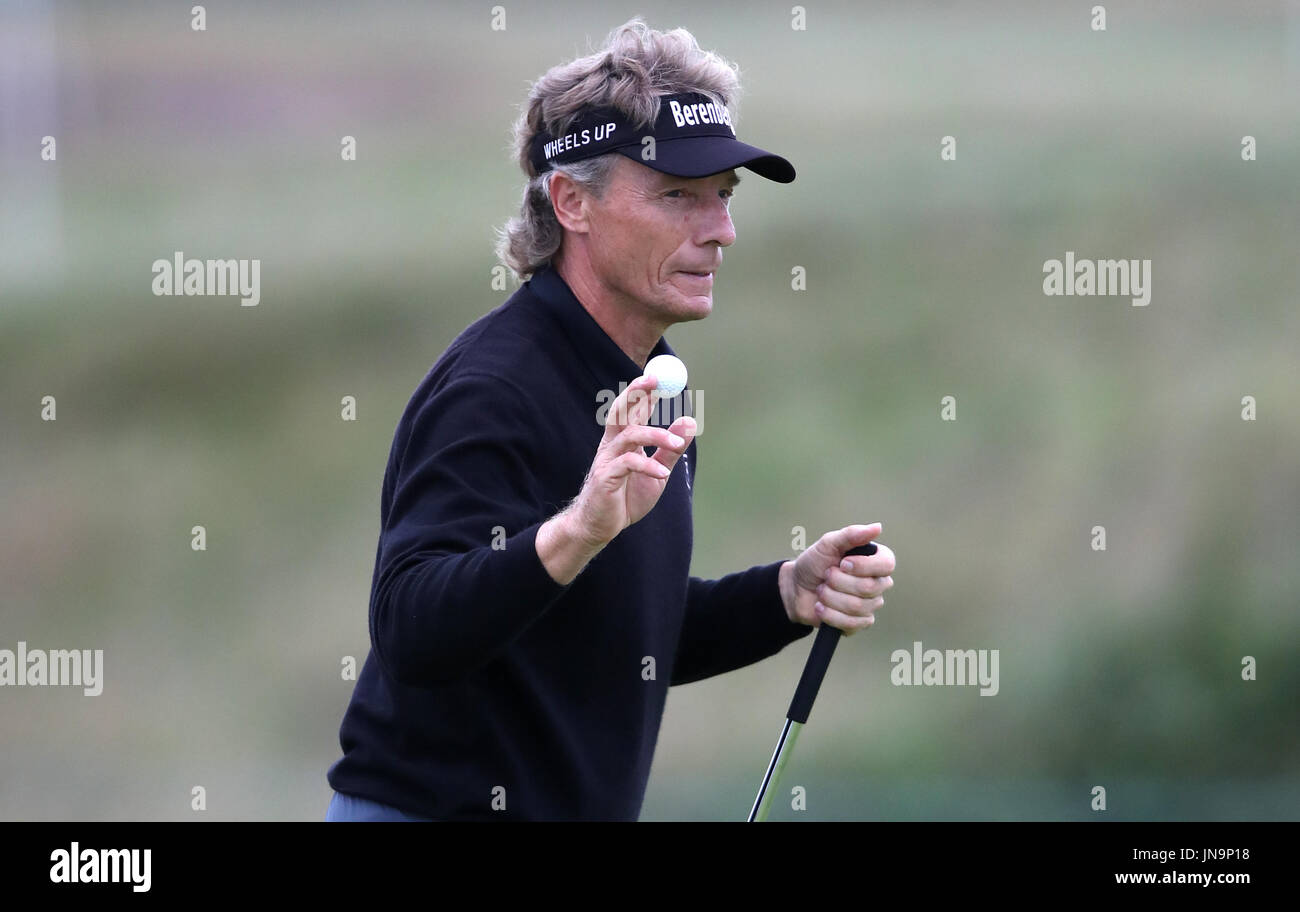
(670, 372)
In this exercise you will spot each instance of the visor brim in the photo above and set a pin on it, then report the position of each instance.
(700, 156)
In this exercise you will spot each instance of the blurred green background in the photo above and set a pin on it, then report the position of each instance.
(1118, 668)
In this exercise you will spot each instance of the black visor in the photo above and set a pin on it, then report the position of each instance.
(692, 137)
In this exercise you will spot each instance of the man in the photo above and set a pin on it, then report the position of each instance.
(531, 601)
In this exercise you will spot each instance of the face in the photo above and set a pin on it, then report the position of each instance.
(657, 240)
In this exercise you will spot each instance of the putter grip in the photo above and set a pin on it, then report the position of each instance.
(819, 660)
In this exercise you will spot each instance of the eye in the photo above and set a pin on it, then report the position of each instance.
(671, 192)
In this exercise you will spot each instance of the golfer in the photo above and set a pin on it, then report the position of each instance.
(532, 599)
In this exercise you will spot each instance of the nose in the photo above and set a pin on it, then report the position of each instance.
(717, 227)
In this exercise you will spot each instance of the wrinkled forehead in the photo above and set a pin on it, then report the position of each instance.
(640, 175)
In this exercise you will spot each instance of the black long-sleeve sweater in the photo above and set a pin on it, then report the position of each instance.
(491, 691)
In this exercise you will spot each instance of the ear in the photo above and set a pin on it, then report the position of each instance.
(568, 200)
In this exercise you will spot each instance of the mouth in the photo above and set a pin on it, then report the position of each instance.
(703, 276)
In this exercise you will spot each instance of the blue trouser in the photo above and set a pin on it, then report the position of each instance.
(350, 809)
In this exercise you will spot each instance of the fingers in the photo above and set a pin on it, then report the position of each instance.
(683, 429)
(849, 603)
(630, 407)
(634, 461)
(627, 434)
(867, 587)
(849, 600)
(849, 624)
(625, 427)
(842, 540)
(645, 435)
(879, 564)
(846, 611)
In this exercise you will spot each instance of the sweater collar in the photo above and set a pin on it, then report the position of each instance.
(598, 351)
